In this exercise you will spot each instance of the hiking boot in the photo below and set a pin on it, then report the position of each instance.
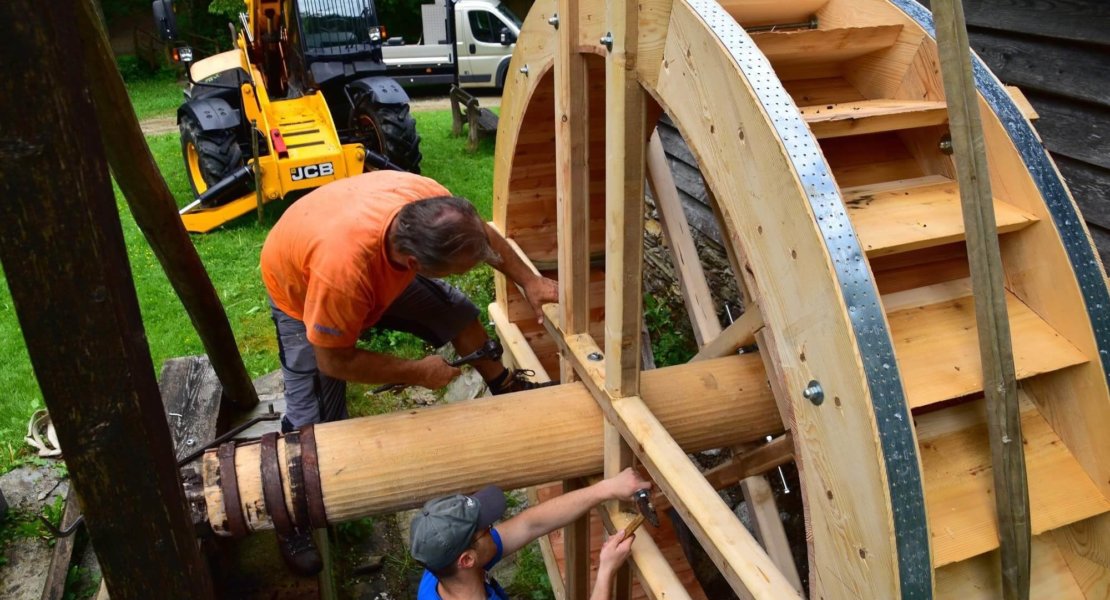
(300, 553)
(515, 380)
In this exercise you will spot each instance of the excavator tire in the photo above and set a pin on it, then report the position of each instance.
(388, 129)
(209, 155)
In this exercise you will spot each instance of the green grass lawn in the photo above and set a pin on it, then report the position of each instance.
(230, 255)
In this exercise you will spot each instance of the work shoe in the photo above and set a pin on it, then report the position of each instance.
(515, 380)
(300, 553)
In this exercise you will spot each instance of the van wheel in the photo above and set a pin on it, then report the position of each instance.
(389, 130)
(209, 155)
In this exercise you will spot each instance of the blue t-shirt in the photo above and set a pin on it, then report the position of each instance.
(428, 583)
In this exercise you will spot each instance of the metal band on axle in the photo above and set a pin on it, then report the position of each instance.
(229, 485)
(296, 479)
(310, 461)
(272, 491)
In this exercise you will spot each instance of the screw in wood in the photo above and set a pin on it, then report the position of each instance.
(814, 393)
(595, 356)
(553, 20)
(607, 40)
(524, 69)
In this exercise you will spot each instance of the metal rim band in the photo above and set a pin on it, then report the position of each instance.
(272, 491)
(310, 461)
(229, 485)
(296, 479)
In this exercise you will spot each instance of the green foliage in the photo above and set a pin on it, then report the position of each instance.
(80, 583)
(672, 341)
(229, 9)
(530, 579)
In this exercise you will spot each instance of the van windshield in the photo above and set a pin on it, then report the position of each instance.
(509, 15)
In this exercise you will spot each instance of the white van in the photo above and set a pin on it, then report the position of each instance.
(485, 33)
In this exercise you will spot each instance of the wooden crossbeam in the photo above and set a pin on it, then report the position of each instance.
(741, 466)
(737, 335)
(691, 276)
(741, 560)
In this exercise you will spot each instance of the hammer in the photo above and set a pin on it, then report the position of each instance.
(647, 511)
(491, 349)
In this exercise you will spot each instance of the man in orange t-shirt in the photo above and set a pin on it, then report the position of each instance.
(367, 251)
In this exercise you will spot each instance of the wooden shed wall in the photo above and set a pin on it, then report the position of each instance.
(1058, 53)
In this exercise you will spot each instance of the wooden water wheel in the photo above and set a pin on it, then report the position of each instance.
(823, 148)
(822, 145)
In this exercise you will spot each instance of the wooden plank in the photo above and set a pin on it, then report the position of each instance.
(1075, 71)
(1090, 185)
(515, 345)
(65, 262)
(827, 90)
(1075, 20)
(624, 202)
(959, 491)
(979, 578)
(767, 523)
(737, 335)
(938, 357)
(572, 120)
(1083, 546)
(872, 116)
(191, 394)
(999, 380)
(1074, 129)
(691, 276)
(1022, 102)
(917, 215)
(742, 561)
(808, 46)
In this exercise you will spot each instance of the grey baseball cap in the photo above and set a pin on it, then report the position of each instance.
(445, 526)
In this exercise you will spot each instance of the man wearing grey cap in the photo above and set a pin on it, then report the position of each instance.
(454, 537)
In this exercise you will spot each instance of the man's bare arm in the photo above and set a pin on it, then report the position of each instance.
(363, 366)
(538, 290)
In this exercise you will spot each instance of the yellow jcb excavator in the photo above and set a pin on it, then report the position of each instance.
(302, 100)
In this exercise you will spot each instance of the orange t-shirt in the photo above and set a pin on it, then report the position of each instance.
(325, 260)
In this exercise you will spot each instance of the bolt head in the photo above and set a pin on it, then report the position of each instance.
(814, 393)
(595, 356)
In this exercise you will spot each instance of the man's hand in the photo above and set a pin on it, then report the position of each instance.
(539, 291)
(435, 372)
(625, 483)
(615, 551)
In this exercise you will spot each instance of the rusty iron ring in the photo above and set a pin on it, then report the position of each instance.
(310, 460)
(296, 479)
(272, 491)
(229, 485)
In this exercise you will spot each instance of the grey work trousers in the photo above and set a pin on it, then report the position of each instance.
(430, 309)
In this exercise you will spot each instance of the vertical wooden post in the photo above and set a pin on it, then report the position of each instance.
(154, 208)
(624, 229)
(999, 382)
(573, 196)
(61, 245)
(624, 203)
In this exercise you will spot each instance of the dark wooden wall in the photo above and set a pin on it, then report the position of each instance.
(1058, 53)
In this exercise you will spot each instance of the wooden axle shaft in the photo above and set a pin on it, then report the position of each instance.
(386, 463)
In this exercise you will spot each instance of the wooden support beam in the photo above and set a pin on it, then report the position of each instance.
(66, 264)
(624, 202)
(572, 177)
(741, 560)
(55, 586)
(737, 335)
(549, 434)
(691, 276)
(155, 210)
(767, 523)
(984, 257)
